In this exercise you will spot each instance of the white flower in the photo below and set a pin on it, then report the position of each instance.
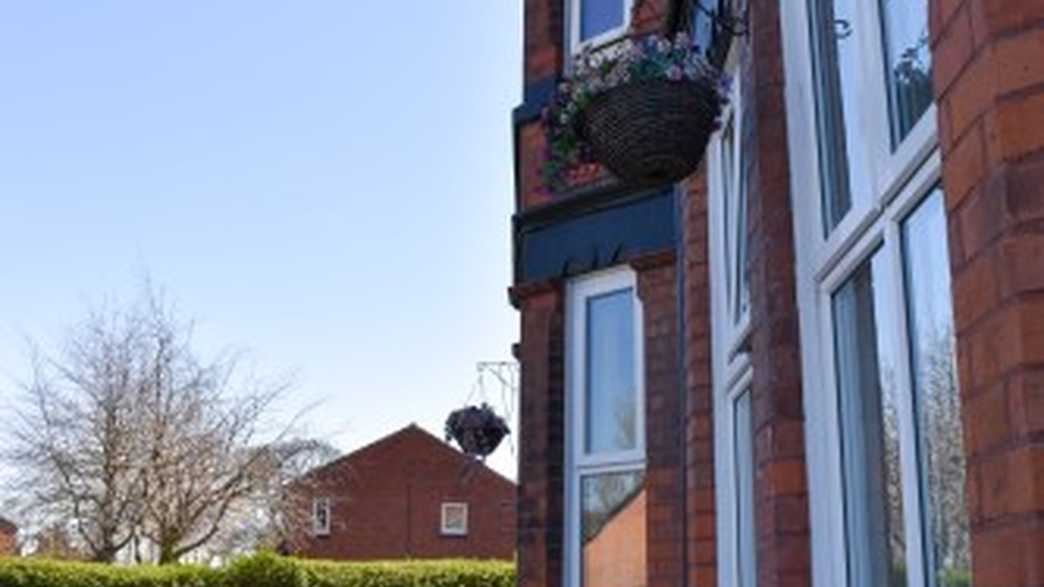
(674, 73)
(663, 45)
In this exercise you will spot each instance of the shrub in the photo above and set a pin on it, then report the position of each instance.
(42, 573)
(263, 570)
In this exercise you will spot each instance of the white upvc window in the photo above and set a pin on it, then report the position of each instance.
(729, 209)
(730, 329)
(595, 23)
(321, 516)
(882, 409)
(605, 436)
(454, 519)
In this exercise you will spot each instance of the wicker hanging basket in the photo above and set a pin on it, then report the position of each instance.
(478, 430)
(651, 132)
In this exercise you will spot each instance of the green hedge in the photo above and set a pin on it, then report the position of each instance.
(262, 570)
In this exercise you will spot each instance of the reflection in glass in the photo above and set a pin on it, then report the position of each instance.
(744, 446)
(613, 531)
(728, 152)
(869, 406)
(742, 295)
(842, 150)
(599, 16)
(611, 414)
(935, 382)
(734, 219)
(909, 63)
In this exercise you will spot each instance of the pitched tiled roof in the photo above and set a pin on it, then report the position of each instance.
(413, 430)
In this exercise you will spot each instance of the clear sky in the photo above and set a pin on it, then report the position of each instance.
(327, 183)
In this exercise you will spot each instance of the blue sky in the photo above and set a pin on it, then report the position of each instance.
(326, 183)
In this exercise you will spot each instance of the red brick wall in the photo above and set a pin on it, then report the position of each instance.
(7, 542)
(664, 415)
(541, 452)
(780, 484)
(386, 503)
(989, 84)
(699, 424)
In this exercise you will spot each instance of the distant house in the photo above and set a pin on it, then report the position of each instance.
(8, 532)
(407, 495)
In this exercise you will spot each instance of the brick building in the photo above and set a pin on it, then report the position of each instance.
(407, 495)
(8, 537)
(820, 358)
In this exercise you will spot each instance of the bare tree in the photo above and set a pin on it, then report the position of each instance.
(75, 439)
(132, 435)
(278, 515)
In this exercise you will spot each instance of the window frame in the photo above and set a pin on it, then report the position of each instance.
(892, 166)
(321, 529)
(572, 28)
(444, 528)
(577, 464)
(726, 229)
(905, 174)
(726, 475)
(732, 371)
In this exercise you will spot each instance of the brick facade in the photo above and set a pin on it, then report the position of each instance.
(541, 451)
(989, 85)
(664, 421)
(699, 393)
(386, 503)
(8, 535)
(988, 68)
(780, 484)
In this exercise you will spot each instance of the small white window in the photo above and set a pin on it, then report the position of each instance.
(321, 516)
(455, 519)
(605, 460)
(594, 23)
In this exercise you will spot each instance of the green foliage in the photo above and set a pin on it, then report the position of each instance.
(954, 578)
(598, 72)
(263, 570)
(44, 573)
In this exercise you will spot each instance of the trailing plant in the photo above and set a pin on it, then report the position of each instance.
(595, 73)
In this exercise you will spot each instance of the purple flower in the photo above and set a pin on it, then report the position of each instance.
(674, 73)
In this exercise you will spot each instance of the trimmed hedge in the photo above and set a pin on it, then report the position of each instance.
(263, 570)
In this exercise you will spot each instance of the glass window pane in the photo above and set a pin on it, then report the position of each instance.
(929, 307)
(728, 152)
(740, 238)
(869, 405)
(909, 63)
(744, 446)
(600, 16)
(611, 414)
(842, 145)
(613, 522)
